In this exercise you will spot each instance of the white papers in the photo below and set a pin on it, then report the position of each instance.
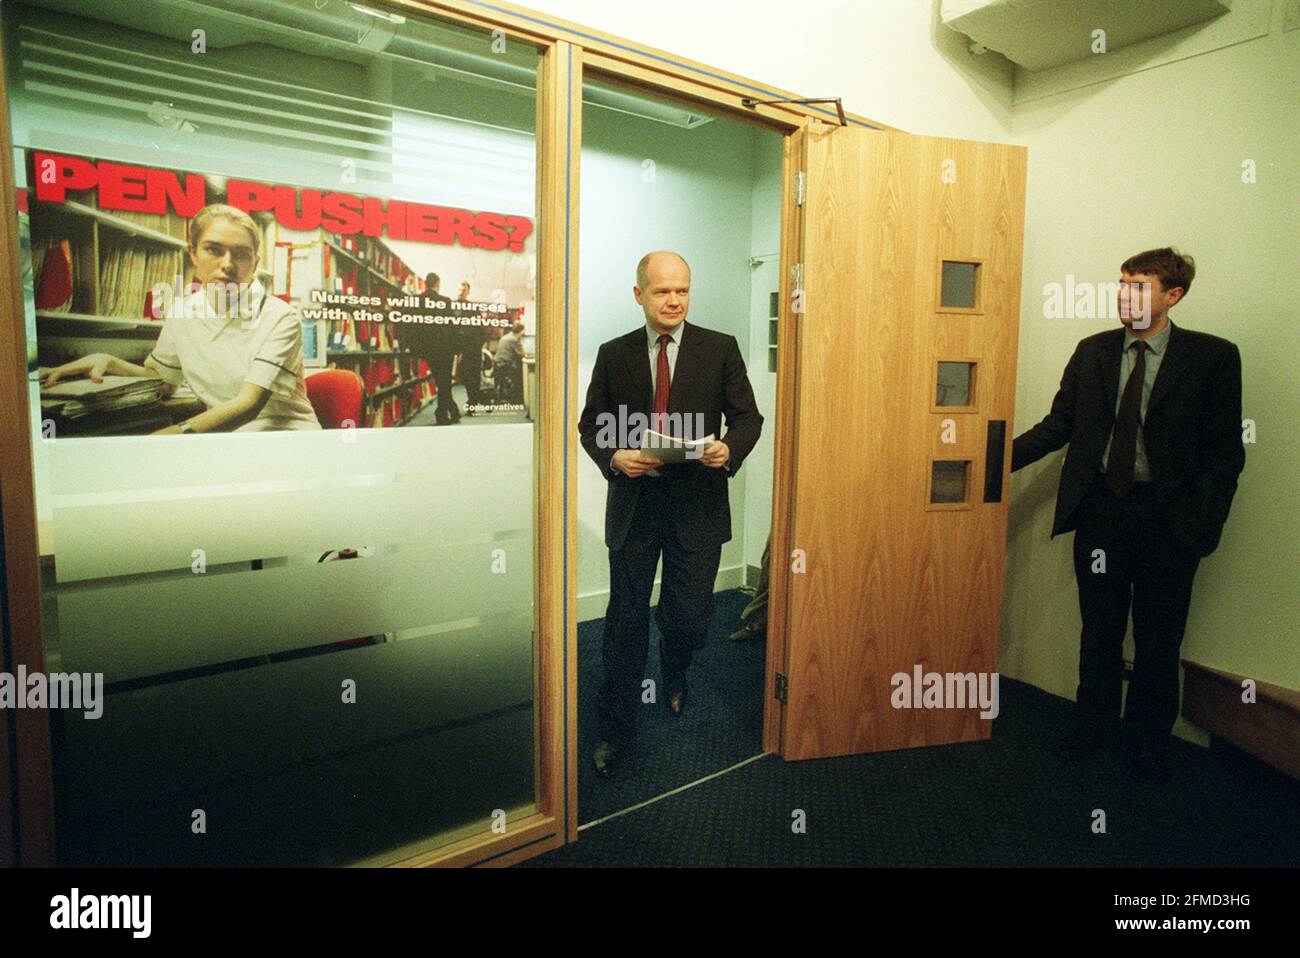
(77, 388)
(671, 449)
(81, 396)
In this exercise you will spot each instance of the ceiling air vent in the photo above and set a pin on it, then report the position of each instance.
(1039, 34)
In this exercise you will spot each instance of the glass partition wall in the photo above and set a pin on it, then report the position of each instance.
(281, 322)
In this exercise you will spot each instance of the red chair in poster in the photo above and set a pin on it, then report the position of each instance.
(335, 395)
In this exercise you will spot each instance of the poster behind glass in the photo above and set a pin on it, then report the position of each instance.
(163, 295)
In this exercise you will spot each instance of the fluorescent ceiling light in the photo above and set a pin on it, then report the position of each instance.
(647, 108)
(390, 17)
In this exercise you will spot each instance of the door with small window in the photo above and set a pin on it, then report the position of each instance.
(906, 301)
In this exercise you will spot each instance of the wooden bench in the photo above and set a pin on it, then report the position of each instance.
(1268, 728)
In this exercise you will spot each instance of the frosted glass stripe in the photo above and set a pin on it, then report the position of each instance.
(139, 628)
(472, 455)
(130, 505)
(129, 538)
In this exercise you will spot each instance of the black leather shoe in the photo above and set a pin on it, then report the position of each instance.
(606, 757)
(677, 702)
(751, 630)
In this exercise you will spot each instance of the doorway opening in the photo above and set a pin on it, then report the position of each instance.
(659, 174)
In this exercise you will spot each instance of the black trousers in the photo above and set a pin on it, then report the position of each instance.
(470, 348)
(1148, 569)
(440, 363)
(509, 382)
(685, 609)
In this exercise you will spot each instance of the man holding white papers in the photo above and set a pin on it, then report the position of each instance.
(668, 374)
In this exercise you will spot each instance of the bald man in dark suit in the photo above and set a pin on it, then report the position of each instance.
(693, 377)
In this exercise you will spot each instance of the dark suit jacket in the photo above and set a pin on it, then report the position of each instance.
(708, 378)
(427, 340)
(1192, 430)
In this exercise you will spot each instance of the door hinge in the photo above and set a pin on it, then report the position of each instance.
(781, 687)
(800, 187)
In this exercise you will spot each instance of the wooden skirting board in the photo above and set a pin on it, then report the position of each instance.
(1268, 728)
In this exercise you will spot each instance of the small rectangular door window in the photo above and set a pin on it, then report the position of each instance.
(955, 384)
(948, 481)
(959, 286)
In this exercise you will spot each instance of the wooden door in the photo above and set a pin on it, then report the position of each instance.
(898, 508)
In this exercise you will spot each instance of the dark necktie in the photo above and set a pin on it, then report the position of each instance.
(1123, 441)
(662, 383)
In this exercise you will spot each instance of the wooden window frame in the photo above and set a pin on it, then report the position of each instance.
(967, 502)
(972, 392)
(978, 308)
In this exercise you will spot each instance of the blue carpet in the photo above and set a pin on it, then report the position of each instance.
(721, 725)
(1007, 802)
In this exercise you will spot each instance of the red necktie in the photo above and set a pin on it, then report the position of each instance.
(662, 378)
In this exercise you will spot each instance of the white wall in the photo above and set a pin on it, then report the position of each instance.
(891, 60)
(698, 198)
(1151, 159)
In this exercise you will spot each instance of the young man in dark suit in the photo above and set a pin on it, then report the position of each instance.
(1152, 416)
(693, 376)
